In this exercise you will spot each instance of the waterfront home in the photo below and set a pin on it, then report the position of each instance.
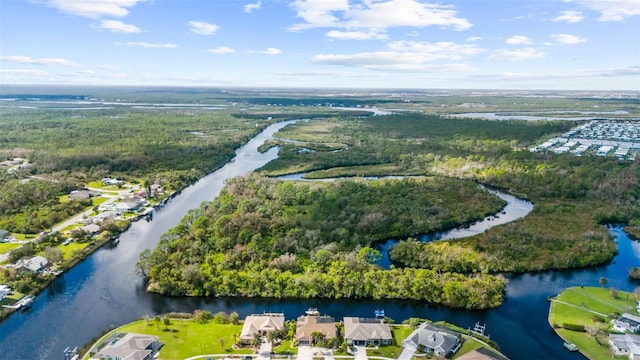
(366, 331)
(83, 194)
(103, 216)
(309, 325)
(482, 354)
(625, 345)
(124, 346)
(433, 340)
(262, 325)
(91, 229)
(35, 264)
(4, 291)
(627, 323)
(4, 235)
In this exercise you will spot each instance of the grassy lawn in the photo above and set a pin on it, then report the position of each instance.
(70, 227)
(64, 198)
(284, 347)
(4, 247)
(469, 345)
(23, 237)
(585, 301)
(99, 200)
(67, 250)
(185, 338)
(393, 351)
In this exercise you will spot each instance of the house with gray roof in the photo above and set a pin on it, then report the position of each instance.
(625, 345)
(627, 323)
(127, 346)
(260, 324)
(35, 264)
(432, 340)
(366, 331)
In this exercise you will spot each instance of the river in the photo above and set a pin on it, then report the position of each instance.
(104, 291)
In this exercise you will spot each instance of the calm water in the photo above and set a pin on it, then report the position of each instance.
(104, 291)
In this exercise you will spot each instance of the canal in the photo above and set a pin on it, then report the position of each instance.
(103, 291)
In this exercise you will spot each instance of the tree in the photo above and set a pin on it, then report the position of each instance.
(603, 281)
(636, 292)
(166, 322)
(222, 343)
(157, 320)
(234, 318)
(53, 254)
(256, 341)
(143, 265)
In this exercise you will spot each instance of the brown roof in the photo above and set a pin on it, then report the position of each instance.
(306, 325)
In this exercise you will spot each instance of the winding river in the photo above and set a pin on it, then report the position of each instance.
(104, 291)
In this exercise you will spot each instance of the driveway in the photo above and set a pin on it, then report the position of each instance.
(265, 350)
(305, 352)
(361, 353)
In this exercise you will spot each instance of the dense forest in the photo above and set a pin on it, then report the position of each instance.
(573, 196)
(274, 238)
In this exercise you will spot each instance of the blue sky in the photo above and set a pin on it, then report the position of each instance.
(455, 44)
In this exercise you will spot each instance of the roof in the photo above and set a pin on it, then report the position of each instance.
(4, 233)
(256, 323)
(306, 325)
(130, 347)
(92, 228)
(627, 321)
(36, 263)
(366, 329)
(626, 342)
(482, 354)
(432, 337)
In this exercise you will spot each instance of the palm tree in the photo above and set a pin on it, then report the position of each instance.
(256, 341)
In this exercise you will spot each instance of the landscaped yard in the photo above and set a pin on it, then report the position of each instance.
(4, 247)
(585, 304)
(186, 338)
(400, 332)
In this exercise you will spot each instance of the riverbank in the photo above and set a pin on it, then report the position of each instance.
(582, 316)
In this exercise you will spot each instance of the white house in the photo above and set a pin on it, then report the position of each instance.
(124, 346)
(625, 345)
(432, 339)
(627, 323)
(4, 291)
(35, 264)
(260, 324)
(366, 331)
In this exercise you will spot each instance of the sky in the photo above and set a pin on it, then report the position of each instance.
(418, 44)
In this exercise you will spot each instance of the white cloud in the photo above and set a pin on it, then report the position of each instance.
(203, 27)
(567, 39)
(575, 74)
(222, 50)
(474, 38)
(355, 35)
(147, 45)
(410, 56)
(249, 8)
(570, 16)
(28, 72)
(611, 10)
(519, 40)
(94, 9)
(118, 26)
(375, 16)
(86, 72)
(268, 51)
(517, 54)
(37, 61)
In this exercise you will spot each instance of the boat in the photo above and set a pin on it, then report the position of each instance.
(26, 302)
(570, 346)
(312, 312)
(379, 313)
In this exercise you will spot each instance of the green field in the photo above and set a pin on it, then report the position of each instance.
(186, 338)
(593, 308)
(4, 247)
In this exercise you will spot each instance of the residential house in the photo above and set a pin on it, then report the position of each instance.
(83, 194)
(433, 339)
(4, 235)
(35, 264)
(91, 229)
(260, 324)
(103, 216)
(307, 325)
(627, 323)
(4, 291)
(127, 346)
(625, 345)
(366, 331)
(129, 204)
(109, 181)
(482, 354)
